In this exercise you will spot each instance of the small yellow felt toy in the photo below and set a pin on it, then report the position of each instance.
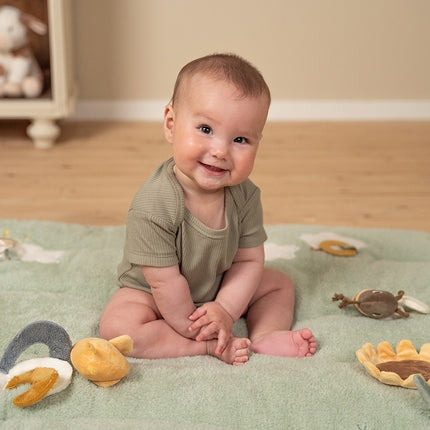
(396, 368)
(102, 361)
(42, 380)
(339, 248)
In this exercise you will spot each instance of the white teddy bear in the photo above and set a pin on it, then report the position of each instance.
(20, 74)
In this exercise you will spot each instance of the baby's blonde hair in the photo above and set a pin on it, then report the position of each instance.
(229, 67)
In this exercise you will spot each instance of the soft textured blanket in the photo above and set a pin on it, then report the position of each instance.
(330, 390)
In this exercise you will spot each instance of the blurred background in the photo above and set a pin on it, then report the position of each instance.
(348, 137)
(308, 50)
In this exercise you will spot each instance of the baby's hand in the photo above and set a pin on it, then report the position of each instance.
(214, 322)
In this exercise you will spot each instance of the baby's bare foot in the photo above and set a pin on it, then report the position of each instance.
(236, 351)
(299, 343)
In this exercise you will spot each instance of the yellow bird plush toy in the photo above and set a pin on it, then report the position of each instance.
(102, 361)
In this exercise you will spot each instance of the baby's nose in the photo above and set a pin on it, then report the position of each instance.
(219, 148)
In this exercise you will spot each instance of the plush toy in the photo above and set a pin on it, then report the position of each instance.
(98, 360)
(381, 304)
(102, 361)
(334, 244)
(47, 375)
(5, 245)
(11, 249)
(20, 73)
(396, 368)
(338, 248)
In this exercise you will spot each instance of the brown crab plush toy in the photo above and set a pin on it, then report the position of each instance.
(382, 304)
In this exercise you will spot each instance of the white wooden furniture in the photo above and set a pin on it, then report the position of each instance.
(58, 101)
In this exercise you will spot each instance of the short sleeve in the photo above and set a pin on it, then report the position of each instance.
(150, 241)
(252, 231)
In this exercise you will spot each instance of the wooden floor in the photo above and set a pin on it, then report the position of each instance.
(333, 174)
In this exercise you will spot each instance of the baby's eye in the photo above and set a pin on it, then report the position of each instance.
(205, 129)
(241, 139)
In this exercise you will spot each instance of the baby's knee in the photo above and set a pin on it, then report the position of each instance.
(287, 282)
(279, 279)
(110, 327)
(125, 313)
(287, 286)
(113, 322)
(276, 281)
(283, 284)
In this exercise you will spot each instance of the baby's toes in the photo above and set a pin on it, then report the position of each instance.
(238, 361)
(312, 347)
(241, 356)
(242, 343)
(307, 335)
(242, 352)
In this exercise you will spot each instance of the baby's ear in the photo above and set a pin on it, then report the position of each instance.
(169, 121)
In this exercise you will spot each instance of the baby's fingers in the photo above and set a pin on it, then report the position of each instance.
(207, 333)
(198, 313)
(222, 342)
(201, 322)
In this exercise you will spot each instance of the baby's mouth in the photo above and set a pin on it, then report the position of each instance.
(213, 168)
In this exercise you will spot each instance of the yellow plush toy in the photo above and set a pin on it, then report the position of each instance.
(102, 361)
(396, 368)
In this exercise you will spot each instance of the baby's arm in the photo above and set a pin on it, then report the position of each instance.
(241, 281)
(172, 296)
(239, 286)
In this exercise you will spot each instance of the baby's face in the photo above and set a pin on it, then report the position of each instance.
(215, 134)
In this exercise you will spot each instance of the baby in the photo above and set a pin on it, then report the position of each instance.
(194, 258)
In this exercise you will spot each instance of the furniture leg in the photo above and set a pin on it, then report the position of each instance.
(43, 132)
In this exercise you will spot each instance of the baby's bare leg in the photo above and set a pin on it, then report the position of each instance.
(134, 312)
(270, 317)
